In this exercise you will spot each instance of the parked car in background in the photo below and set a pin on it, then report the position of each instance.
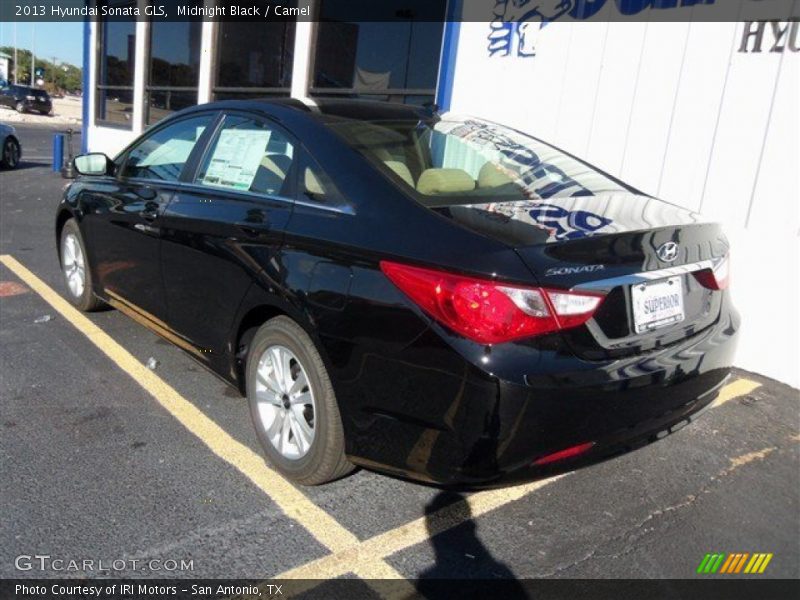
(24, 98)
(10, 148)
(437, 297)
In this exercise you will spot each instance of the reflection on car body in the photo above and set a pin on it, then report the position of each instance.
(439, 298)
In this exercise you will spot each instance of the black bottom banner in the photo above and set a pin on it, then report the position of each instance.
(350, 589)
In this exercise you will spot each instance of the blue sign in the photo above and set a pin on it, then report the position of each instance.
(515, 22)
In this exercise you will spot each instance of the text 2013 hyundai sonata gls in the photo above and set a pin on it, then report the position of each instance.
(440, 298)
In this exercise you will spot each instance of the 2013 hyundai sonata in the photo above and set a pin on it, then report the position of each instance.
(435, 297)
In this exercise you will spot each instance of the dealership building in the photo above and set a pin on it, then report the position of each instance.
(701, 114)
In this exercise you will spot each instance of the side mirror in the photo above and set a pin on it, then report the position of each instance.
(94, 163)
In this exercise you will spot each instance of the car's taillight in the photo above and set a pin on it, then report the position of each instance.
(489, 312)
(717, 278)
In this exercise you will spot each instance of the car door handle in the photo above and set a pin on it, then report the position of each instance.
(251, 231)
(150, 211)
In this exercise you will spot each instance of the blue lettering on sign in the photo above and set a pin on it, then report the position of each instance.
(568, 224)
(531, 170)
(516, 22)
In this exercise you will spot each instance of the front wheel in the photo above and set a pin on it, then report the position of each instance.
(75, 267)
(293, 406)
(11, 153)
(20, 106)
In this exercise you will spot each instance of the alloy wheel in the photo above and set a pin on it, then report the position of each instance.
(73, 265)
(11, 154)
(285, 402)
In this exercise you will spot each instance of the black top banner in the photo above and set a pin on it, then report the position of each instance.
(543, 11)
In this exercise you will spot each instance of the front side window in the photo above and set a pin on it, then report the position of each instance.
(163, 154)
(470, 161)
(250, 156)
(115, 67)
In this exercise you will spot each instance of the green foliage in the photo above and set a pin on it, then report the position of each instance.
(57, 77)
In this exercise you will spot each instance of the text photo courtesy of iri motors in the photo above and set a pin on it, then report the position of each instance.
(399, 299)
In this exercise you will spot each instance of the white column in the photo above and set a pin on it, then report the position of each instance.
(304, 39)
(90, 95)
(142, 33)
(205, 81)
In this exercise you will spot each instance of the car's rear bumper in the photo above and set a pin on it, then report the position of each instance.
(38, 106)
(451, 422)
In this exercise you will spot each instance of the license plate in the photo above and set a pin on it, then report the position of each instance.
(657, 304)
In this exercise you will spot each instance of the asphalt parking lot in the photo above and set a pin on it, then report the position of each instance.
(103, 458)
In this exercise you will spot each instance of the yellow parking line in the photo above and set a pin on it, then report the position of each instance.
(365, 559)
(415, 532)
(735, 389)
(390, 542)
(324, 528)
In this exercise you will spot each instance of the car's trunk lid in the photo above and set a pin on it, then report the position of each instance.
(610, 244)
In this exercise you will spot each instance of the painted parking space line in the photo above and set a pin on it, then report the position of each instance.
(390, 542)
(735, 389)
(366, 559)
(294, 504)
(383, 545)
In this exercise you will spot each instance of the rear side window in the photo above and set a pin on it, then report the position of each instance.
(315, 185)
(462, 161)
(163, 154)
(248, 155)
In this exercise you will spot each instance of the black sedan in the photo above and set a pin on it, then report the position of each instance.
(24, 98)
(435, 297)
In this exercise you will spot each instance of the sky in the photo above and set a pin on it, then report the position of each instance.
(64, 40)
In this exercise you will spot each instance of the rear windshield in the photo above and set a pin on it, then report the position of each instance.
(471, 161)
(31, 92)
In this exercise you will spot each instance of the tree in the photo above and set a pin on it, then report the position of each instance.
(57, 77)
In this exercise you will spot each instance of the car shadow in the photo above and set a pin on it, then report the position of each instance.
(459, 554)
(25, 164)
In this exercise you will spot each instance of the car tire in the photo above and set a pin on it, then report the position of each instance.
(283, 418)
(10, 153)
(75, 267)
(20, 107)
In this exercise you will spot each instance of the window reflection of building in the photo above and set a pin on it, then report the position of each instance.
(174, 67)
(115, 69)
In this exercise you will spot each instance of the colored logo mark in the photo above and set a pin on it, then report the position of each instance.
(738, 562)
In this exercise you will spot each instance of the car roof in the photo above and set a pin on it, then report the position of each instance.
(330, 109)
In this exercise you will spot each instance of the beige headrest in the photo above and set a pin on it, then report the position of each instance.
(312, 183)
(490, 176)
(277, 163)
(401, 170)
(443, 181)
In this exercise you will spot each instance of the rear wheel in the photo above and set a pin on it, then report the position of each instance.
(293, 405)
(20, 106)
(75, 267)
(11, 153)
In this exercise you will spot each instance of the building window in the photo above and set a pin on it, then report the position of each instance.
(116, 49)
(393, 60)
(174, 67)
(253, 59)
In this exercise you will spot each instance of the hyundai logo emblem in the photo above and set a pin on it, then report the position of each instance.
(667, 252)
